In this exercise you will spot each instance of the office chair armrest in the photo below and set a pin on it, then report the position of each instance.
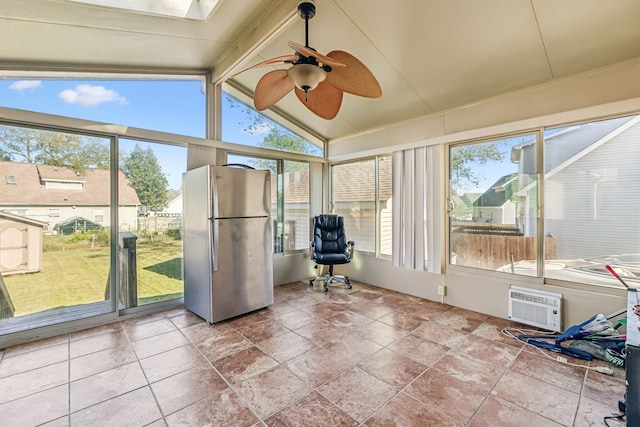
(312, 249)
(350, 246)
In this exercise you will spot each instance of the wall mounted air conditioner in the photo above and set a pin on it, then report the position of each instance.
(536, 308)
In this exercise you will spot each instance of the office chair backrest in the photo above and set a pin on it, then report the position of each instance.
(329, 235)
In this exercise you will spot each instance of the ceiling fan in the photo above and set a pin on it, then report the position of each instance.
(319, 80)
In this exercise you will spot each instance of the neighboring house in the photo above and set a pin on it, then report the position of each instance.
(355, 199)
(585, 189)
(496, 205)
(463, 206)
(53, 194)
(170, 218)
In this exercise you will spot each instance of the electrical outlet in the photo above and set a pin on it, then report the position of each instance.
(442, 290)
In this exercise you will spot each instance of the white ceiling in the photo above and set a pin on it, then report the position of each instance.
(428, 55)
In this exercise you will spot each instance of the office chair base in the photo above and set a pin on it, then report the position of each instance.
(327, 279)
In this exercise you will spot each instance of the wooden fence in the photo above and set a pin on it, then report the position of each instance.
(491, 251)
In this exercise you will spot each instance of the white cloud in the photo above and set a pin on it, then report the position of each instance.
(25, 84)
(90, 96)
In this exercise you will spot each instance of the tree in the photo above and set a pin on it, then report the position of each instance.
(79, 152)
(276, 137)
(146, 177)
(466, 158)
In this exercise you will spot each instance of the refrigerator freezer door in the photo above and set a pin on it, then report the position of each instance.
(240, 193)
(243, 280)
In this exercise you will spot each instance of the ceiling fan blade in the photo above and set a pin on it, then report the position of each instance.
(273, 61)
(355, 77)
(271, 88)
(324, 101)
(305, 51)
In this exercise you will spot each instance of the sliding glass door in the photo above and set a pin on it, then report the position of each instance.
(55, 227)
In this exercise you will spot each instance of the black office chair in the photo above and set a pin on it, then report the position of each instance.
(330, 247)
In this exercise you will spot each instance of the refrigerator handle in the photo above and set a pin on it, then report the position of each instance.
(214, 242)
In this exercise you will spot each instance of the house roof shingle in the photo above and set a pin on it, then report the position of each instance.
(28, 187)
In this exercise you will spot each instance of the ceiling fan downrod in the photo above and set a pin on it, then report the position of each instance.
(306, 10)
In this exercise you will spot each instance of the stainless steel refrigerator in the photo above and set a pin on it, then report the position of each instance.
(227, 241)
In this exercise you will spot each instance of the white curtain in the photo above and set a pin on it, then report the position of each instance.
(416, 209)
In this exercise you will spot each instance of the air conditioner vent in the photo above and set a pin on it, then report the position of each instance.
(536, 308)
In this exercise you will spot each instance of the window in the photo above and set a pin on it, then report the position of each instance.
(590, 204)
(290, 212)
(276, 192)
(361, 193)
(241, 124)
(296, 206)
(188, 9)
(177, 106)
(385, 178)
(51, 233)
(150, 207)
(493, 205)
(592, 201)
(98, 216)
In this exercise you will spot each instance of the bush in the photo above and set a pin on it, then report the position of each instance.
(176, 234)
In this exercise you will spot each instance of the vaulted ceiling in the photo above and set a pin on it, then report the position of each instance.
(428, 55)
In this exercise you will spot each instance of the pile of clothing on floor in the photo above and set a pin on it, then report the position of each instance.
(596, 337)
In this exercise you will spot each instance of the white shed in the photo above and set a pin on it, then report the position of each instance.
(20, 244)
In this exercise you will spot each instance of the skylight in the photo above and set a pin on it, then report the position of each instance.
(189, 9)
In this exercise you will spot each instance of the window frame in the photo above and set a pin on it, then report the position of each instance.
(280, 201)
(540, 278)
(377, 204)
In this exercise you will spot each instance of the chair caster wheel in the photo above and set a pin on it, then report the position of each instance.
(311, 283)
(326, 289)
(349, 286)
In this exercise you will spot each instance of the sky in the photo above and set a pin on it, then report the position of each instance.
(174, 106)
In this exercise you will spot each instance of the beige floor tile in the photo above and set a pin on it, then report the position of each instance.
(311, 410)
(393, 368)
(186, 388)
(357, 393)
(93, 343)
(422, 351)
(551, 371)
(171, 362)
(272, 390)
(538, 396)
(159, 343)
(33, 381)
(244, 364)
(496, 412)
(483, 375)
(23, 362)
(136, 408)
(36, 408)
(286, 347)
(106, 385)
(99, 361)
(220, 409)
(380, 358)
(405, 411)
(458, 399)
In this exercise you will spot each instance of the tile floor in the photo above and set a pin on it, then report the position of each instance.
(365, 357)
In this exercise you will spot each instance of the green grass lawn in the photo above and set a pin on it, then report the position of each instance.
(75, 273)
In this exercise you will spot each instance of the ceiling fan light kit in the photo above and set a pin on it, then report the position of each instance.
(319, 81)
(306, 76)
